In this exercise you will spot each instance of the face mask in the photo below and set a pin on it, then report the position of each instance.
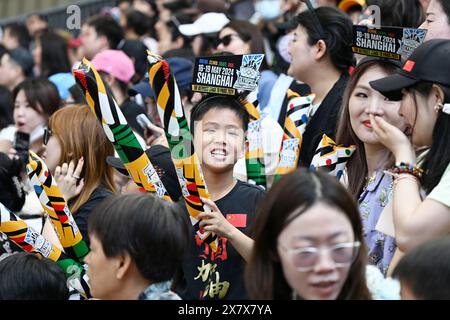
(282, 47)
(268, 9)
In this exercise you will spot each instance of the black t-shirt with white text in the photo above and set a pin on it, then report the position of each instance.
(219, 275)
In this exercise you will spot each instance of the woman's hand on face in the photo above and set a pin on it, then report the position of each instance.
(214, 221)
(68, 179)
(393, 139)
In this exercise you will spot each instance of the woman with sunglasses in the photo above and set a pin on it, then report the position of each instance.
(76, 152)
(241, 37)
(308, 242)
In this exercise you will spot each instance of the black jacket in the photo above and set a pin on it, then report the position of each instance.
(324, 121)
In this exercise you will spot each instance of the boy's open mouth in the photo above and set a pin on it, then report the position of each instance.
(219, 153)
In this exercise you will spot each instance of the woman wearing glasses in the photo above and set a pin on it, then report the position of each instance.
(308, 242)
(241, 37)
(76, 152)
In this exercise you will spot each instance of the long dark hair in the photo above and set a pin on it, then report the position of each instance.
(300, 189)
(337, 29)
(54, 57)
(357, 165)
(438, 157)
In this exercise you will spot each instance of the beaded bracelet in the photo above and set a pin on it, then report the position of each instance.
(407, 168)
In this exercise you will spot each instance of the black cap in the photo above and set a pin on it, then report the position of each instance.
(163, 164)
(429, 62)
(137, 51)
(23, 58)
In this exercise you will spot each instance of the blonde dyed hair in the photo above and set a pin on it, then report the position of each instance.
(81, 135)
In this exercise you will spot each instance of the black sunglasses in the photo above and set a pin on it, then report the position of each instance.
(47, 134)
(226, 40)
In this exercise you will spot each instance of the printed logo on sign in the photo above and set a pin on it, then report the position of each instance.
(183, 182)
(149, 171)
(288, 153)
(43, 246)
(152, 177)
(73, 224)
(412, 38)
(30, 237)
(254, 135)
(160, 190)
(248, 74)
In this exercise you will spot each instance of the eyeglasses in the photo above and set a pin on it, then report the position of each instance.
(226, 40)
(47, 134)
(304, 259)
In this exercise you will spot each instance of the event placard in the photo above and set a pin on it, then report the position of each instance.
(387, 42)
(226, 74)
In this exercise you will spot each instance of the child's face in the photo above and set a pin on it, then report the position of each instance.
(219, 140)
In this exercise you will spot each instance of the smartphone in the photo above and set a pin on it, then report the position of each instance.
(143, 120)
(22, 145)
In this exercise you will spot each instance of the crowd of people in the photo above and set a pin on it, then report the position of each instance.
(380, 230)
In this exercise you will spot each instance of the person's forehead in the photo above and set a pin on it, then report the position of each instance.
(86, 28)
(374, 72)
(434, 8)
(93, 239)
(5, 59)
(21, 96)
(33, 18)
(223, 116)
(300, 31)
(319, 221)
(226, 31)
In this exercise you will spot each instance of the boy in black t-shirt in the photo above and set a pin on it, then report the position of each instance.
(218, 125)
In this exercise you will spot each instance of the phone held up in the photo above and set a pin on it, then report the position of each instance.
(143, 120)
(22, 145)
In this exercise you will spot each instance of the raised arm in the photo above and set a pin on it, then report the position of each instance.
(415, 221)
(214, 221)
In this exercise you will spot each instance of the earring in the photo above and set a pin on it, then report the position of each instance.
(438, 107)
(294, 295)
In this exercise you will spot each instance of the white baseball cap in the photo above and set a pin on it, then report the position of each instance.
(208, 23)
